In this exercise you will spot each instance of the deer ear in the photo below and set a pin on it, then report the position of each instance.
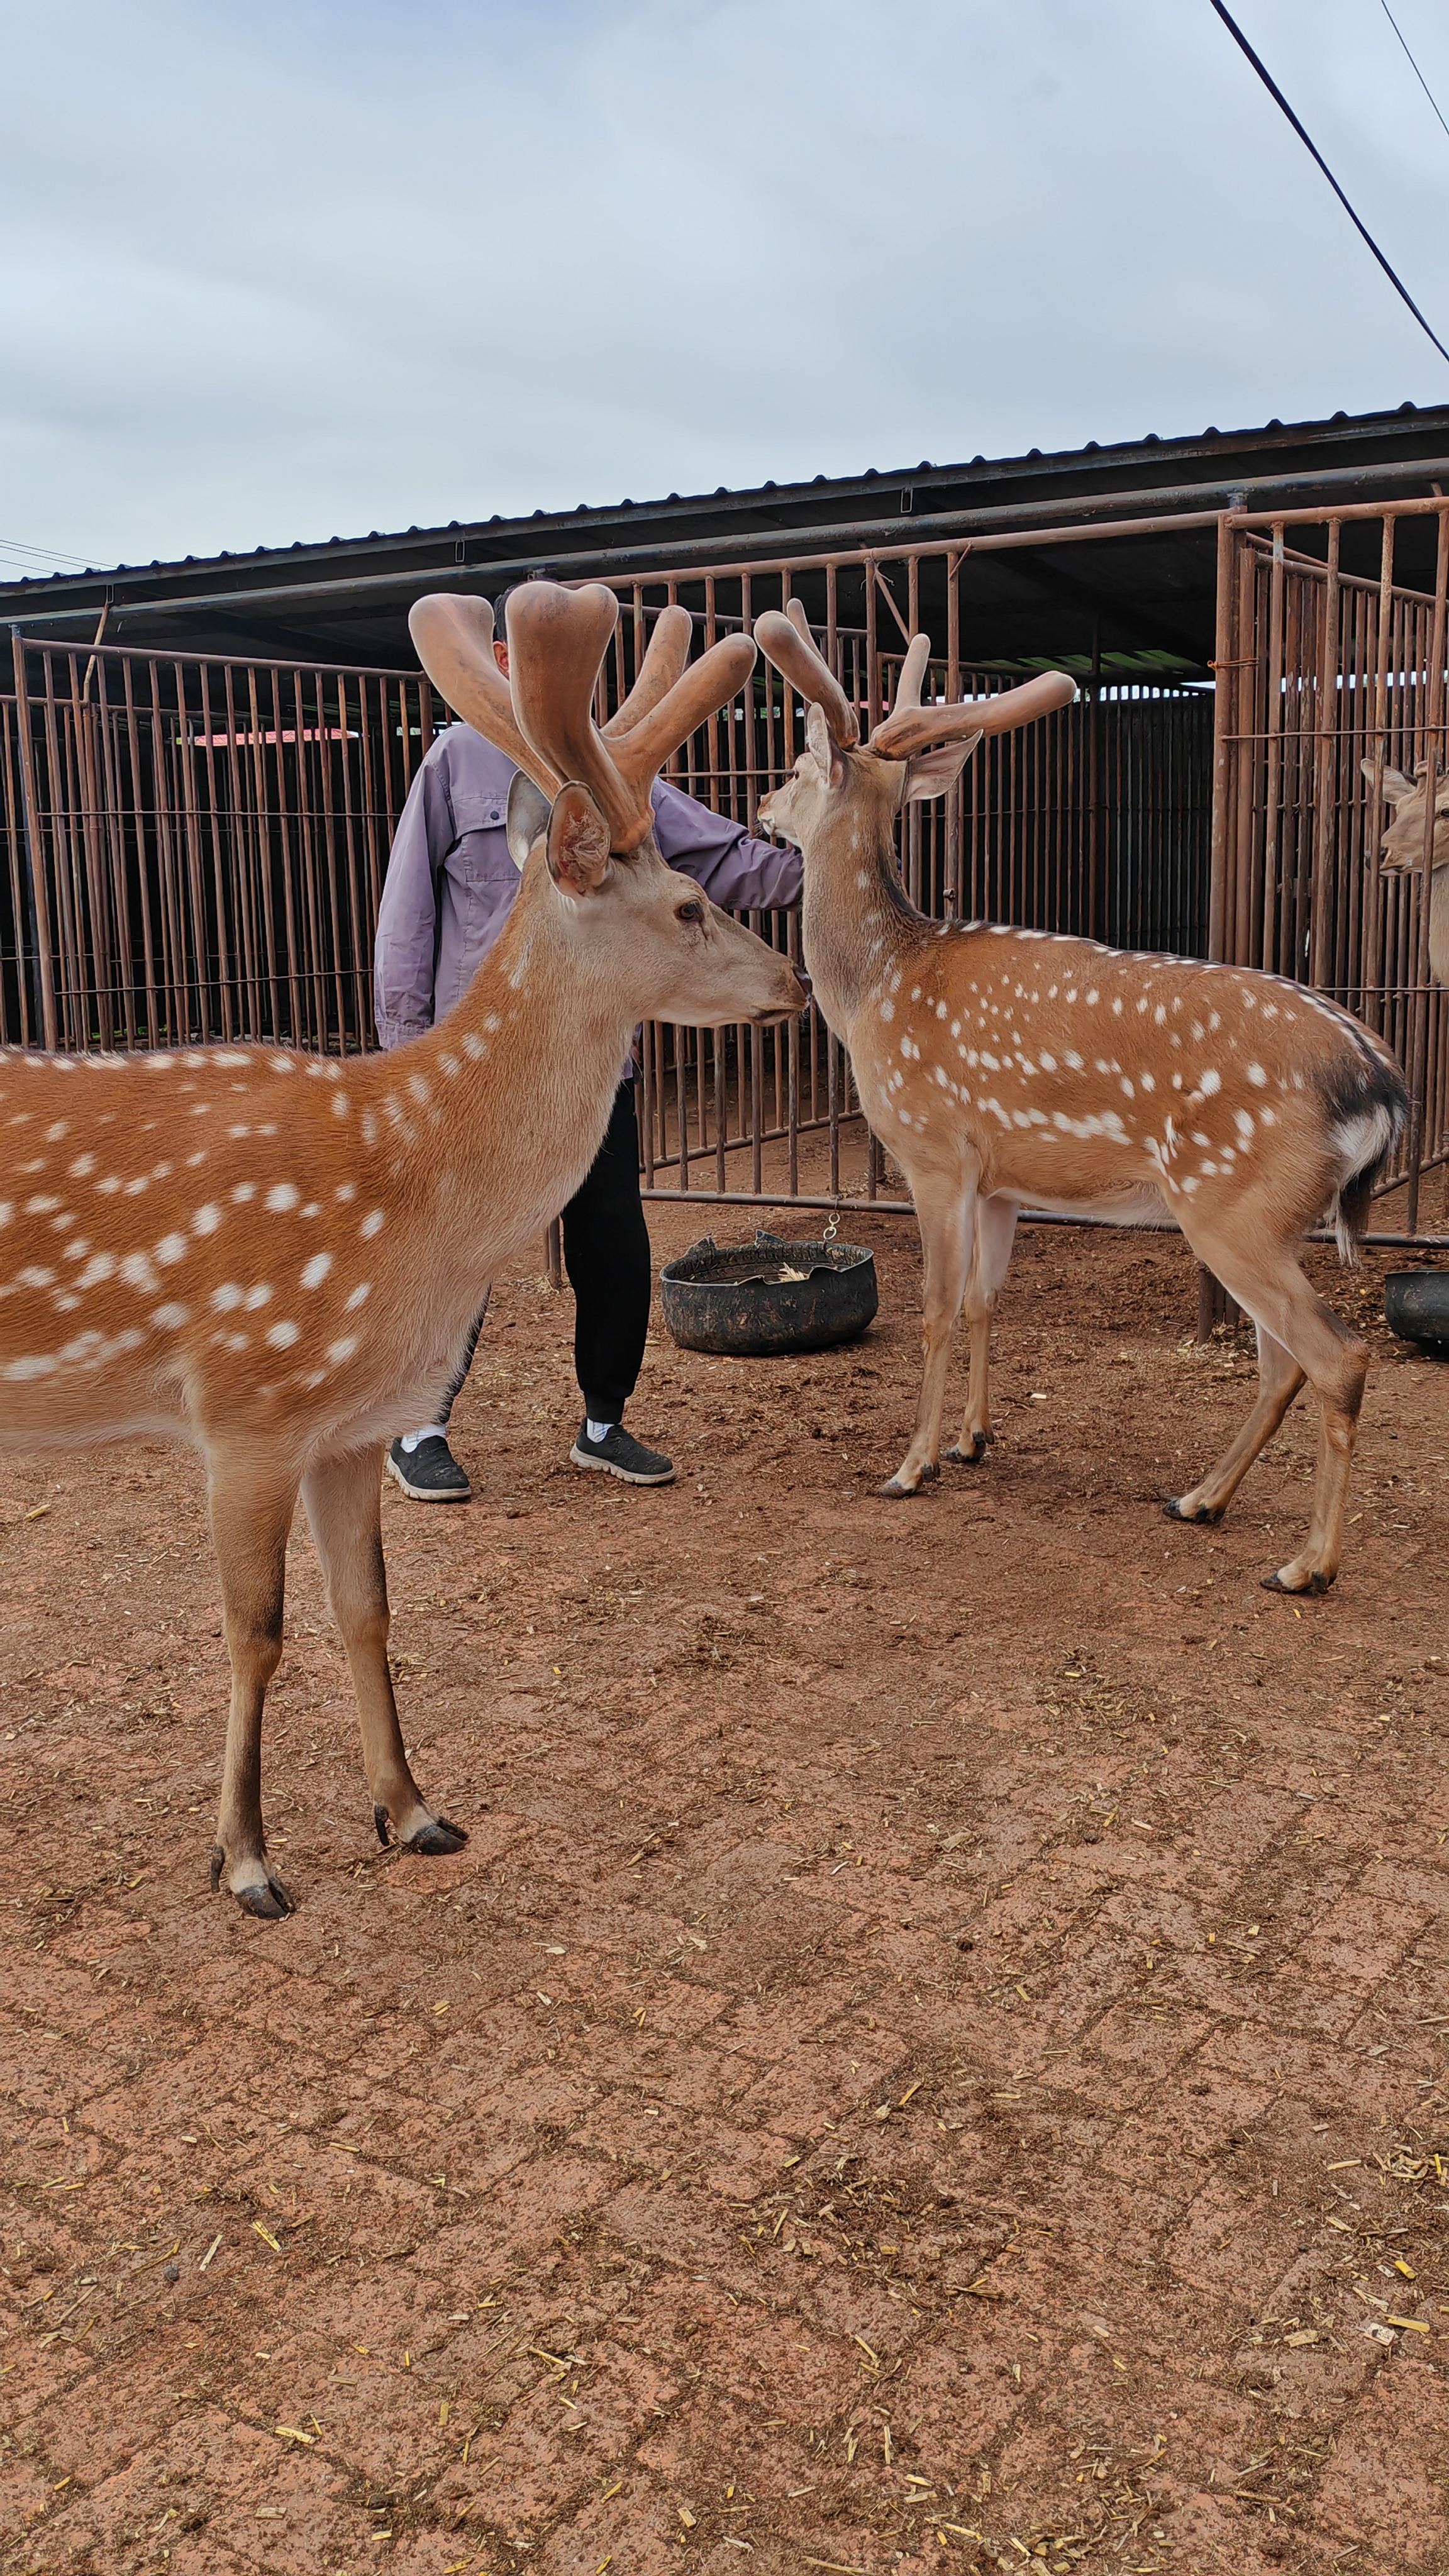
(1395, 785)
(930, 773)
(528, 812)
(829, 760)
(578, 842)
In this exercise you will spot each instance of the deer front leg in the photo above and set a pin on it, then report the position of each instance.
(946, 1214)
(249, 1526)
(343, 1497)
(990, 1260)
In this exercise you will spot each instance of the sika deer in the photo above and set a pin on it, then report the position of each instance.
(1009, 1068)
(218, 1245)
(1405, 846)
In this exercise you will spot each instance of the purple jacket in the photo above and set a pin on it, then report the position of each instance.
(450, 881)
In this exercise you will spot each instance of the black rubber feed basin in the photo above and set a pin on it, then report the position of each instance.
(1416, 1304)
(755, 1299)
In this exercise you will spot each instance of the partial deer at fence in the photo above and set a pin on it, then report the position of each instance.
(277, 1258)
(1407, 846)
(1008, 1068)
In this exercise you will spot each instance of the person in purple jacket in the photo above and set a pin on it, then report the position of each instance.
(449, 887)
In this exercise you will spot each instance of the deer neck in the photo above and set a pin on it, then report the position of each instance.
(856, 919)
(489, 1098)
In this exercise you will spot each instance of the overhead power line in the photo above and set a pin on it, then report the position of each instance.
(1305, 138)
(1413, 66)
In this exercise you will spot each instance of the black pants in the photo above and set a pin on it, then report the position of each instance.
(606, 1253)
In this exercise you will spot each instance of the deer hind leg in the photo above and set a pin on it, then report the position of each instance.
(344, 1506)
(946, 1216)
(1279, 1379)
(249, 1529)
(1294, 1322)
(990, 1261)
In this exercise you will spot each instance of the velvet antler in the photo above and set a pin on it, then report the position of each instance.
(454, 640)
(557, 640)
(787, 642)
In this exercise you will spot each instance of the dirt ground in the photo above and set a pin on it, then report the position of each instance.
(933, 2055)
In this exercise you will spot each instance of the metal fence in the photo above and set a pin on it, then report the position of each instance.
(1329, 672)
(194, 848)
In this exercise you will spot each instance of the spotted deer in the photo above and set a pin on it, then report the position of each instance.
(221, 1245)
(1008, 1068)
(1406, 846)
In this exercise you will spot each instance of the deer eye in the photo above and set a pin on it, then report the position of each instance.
(692, 913)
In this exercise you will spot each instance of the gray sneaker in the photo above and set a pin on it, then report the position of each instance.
(620, 1454)
(430, 1473)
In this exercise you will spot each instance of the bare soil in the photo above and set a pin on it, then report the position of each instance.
(932, 2055)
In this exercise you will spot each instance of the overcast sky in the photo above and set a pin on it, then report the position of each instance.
(286, 271)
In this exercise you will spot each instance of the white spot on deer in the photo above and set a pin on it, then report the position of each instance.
(1117, 1006)
(41, 1207)
(281, 1336)
(315, 1270)
(1188, 1184)
(337, 1352)
(359, 1297)
(1209, 1082)
(1257, 1077)
(236, 1341)
(206, 1219)
(940, 1010)
(340, 1104)
(1147, 1082)
(1094, 995)
(228, 1295)
(78, 1247)
(193, 1160)
(372, 1224)
(1073, 1060)
(282, 1197)
(312, 1208)
(1268, 1117)
(421, 1091)
(260, 1295)
(1127, 1087)
(1243, 1121)
(170, 1318)
(887, 1010)
(101, 1265)
(280, 1063)
(244, 1190)
(171, 1249)
(7, 1211)
(32, 1276)
(38, 1367)
(137, 1272)
(239, 1131)
(1048, 1062)
(473, 1045)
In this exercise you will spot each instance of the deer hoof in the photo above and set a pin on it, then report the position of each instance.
(437, 1840)
(895, 1492)
(269, 1903)
(975, 1456)
(379, 1818)
(1203, 1518)
(1316, 1584)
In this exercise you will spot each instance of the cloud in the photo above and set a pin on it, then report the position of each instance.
(279, 273)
